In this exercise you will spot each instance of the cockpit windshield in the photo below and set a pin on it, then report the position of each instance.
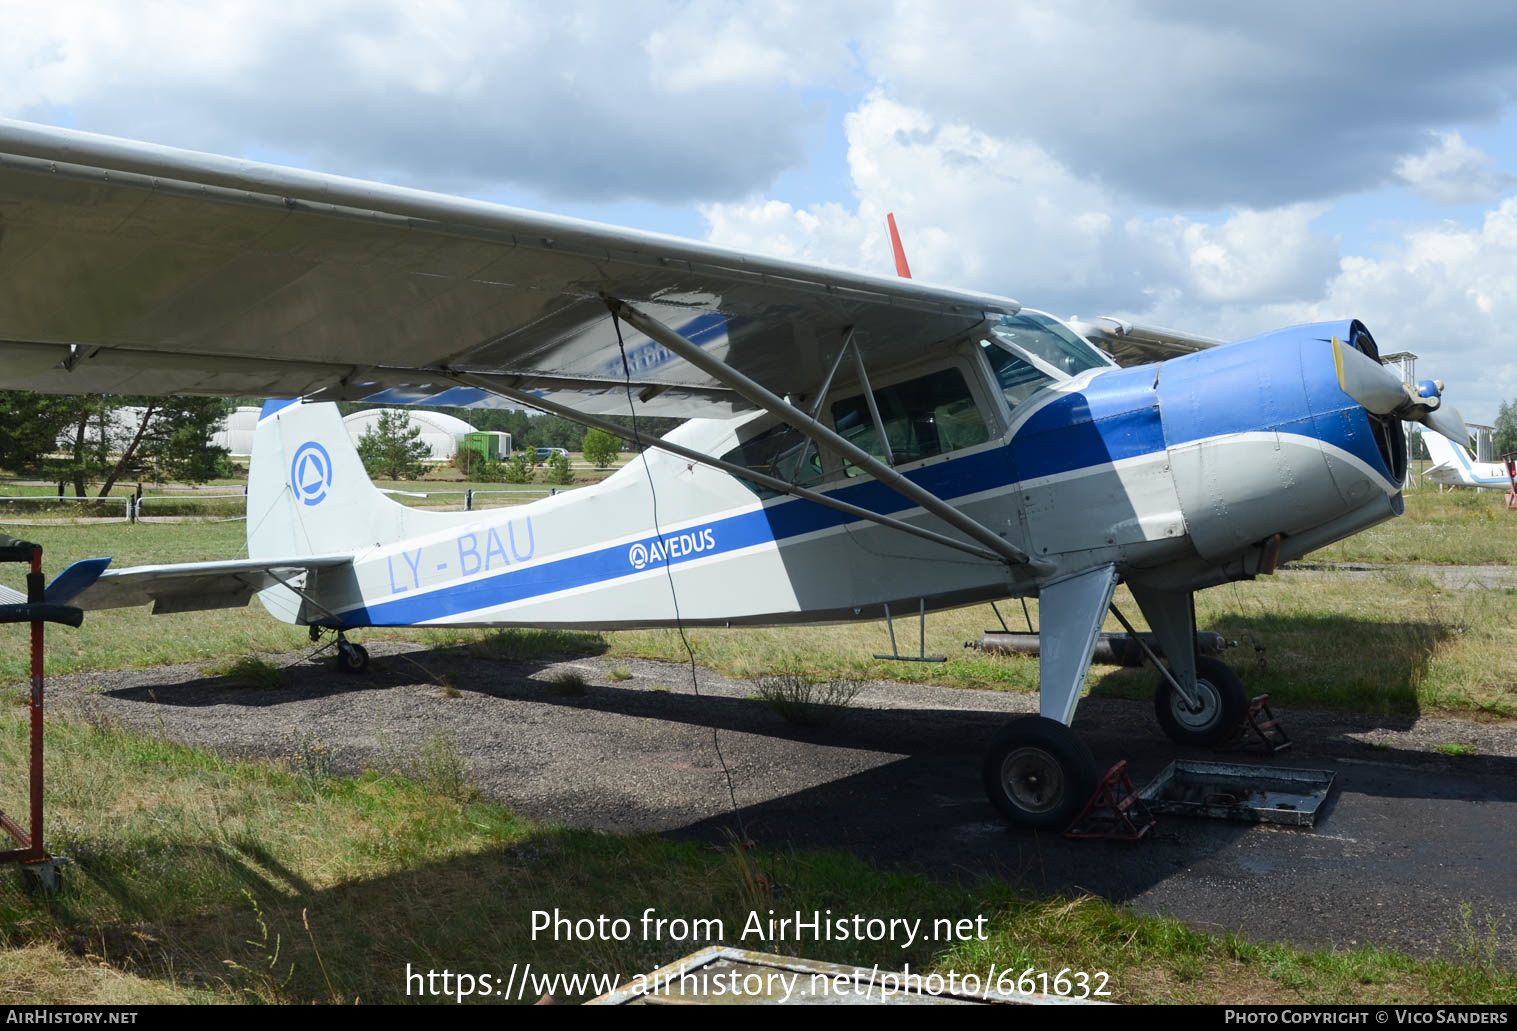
(1048, 341)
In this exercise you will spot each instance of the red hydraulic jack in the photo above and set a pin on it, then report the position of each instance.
(1115, 811)
(39, 870)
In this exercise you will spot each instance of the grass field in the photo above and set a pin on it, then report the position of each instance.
(1458, 527)
(203, 880)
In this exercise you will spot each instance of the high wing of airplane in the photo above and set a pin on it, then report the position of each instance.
(1132, 343)
(1454, 466)
(856, 445)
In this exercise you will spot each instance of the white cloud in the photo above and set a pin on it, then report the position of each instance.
(988, 213)
(1448, 293)
(1002, 215)
(1253, 257)
(580, 99)
(680, 101)
(1205, 105)
(974, 210)
(781, 42)
(1453, 172)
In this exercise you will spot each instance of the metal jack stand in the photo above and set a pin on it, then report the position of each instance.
(921, 655)
(1115, 811)
(39, 870)
(1260, 729)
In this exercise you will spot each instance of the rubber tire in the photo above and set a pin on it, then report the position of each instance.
(1224, 691)
(352, 658)
(1058, 745)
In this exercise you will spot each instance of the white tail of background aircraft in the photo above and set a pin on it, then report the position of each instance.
(1454, 466)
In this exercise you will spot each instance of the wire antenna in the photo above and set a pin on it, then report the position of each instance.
(679, 621)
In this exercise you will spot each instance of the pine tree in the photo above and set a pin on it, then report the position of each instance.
(392, 448)
(1504, 437)
(559, 472)
(176, 436)
(30, 430)
(519, 468)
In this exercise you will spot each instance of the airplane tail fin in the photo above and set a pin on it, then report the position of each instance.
(901, 268)
(1440, 449)
(308, 492)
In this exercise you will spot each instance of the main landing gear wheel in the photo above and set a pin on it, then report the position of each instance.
(352, 658)
(1038, 774)
(1222, 699)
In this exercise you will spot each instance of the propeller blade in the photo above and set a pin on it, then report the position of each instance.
(1447, 421)
(1368, 382)
(1381, 391)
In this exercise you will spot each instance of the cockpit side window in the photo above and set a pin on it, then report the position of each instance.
(923, 417)
(1017, 378)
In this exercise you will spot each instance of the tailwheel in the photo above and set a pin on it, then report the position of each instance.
(351, 658)
(1220, 700)
(1038, 773)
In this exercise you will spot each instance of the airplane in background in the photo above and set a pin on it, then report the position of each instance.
(856, 445)
(1454, 466)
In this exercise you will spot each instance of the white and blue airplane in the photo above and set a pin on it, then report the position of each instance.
(1454, 466)
(857, 445)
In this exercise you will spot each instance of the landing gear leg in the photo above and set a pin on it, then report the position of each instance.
(1037, 773)
(1219, 702)
(1217, 699)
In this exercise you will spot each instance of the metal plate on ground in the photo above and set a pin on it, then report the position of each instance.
(1241, 792)
(724, 975)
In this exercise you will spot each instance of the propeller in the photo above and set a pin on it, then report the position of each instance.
(1381, 391)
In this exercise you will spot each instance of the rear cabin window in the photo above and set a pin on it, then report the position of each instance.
(781, 452)
(923, 417)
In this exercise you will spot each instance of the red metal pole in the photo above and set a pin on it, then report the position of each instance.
(36, 842)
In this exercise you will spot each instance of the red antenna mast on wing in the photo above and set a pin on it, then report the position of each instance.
(901, 268)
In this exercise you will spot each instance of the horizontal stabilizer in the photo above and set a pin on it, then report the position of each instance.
(192, 586)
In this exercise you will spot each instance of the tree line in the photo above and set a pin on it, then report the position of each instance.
(1504, 433)
(80, 440)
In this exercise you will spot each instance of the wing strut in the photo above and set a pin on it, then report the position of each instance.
(495, 386)
(823, 435)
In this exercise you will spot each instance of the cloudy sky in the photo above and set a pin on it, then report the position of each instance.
(1223, 169)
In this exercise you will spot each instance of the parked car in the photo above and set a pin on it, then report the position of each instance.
(545, 453)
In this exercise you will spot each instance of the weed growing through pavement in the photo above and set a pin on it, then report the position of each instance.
(802, 701)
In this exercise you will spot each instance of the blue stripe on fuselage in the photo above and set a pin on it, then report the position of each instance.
(1115, 417)
(1459, 453)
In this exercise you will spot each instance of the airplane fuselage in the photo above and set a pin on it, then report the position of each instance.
(1196, 471)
